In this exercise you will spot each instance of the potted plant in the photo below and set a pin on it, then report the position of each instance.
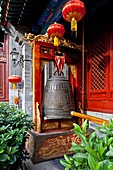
(14, 125)
(95, 152)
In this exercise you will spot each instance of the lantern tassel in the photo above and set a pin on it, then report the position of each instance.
(56, 41)
(74, 26)
(14, 86)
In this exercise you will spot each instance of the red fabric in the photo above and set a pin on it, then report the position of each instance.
(59, 63)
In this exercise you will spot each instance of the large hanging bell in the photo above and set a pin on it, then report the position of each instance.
(58, 99)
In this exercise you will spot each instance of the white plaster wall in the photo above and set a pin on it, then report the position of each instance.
(27, 97)
(101, 115)
(14, 70)
(24, 91)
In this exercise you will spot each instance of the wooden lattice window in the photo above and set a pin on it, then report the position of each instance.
(100, 73)
(110, 63)
(98, 64)
(97, 74)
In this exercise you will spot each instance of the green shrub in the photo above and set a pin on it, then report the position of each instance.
(95, 152)
(14, 125)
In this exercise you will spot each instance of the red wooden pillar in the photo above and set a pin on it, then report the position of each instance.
(4, 71)
(37, 77)
(75, 84)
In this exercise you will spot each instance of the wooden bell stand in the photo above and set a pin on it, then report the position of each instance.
(43, 53)
(50, 138)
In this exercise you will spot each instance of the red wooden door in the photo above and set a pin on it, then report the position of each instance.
(4, 85)
(100, 73)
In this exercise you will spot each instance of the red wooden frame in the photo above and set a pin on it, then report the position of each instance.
(4, 71)
(43, 51)
(101, 100)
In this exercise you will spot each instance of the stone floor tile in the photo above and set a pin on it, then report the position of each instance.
(53, 164)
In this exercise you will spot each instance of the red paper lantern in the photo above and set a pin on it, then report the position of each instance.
(73, 11)
(56, 31)
(14, 79)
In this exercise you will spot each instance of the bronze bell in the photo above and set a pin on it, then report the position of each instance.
(58, 100)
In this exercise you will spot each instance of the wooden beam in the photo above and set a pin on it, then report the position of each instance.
(90, 118)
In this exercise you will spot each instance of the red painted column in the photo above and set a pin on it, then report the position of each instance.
(37, 82)
(4, 71)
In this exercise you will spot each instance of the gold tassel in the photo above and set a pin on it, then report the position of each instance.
(14, 86)
(74, 26)
(56, 42)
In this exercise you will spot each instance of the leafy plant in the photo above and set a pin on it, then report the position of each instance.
(14, 125)
(95, 152)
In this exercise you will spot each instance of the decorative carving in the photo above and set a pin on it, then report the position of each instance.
(45, 38)
(73, 70)
(30, 145)
(57, 146)
(67, 124)
(3, 59)
(38, 118)
(45, 50)
(29, 38)
(43, 63)
(49, 126)
(57, 98)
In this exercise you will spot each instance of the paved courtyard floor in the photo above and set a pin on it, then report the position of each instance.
(53, 164)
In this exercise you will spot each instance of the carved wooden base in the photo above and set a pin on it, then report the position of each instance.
(60, 124)
(48, 145)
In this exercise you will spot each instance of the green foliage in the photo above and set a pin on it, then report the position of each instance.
(14, 125)
(94, 152)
